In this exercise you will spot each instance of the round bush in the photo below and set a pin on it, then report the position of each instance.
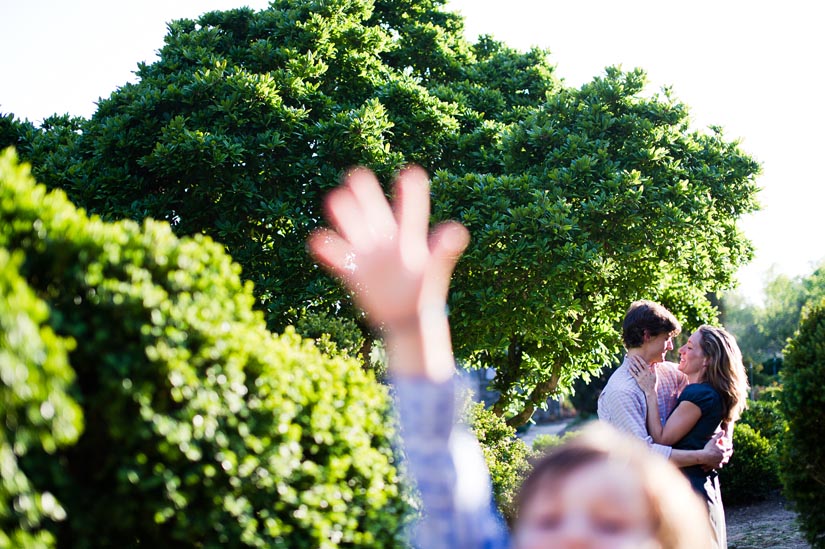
(35, 410)
(545, 443)
(752, 472)
(202, 429)
(803, 403)
(333, 335)
(506, 455)
(766, 418)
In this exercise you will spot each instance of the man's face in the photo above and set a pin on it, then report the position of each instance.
(655, 348)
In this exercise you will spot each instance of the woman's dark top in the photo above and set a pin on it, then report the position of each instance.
(709, 402)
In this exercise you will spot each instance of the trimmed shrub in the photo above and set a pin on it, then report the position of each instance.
(333, 335)
(765, 416)
(752, 472)
(544, 443)
(803, 403)
(202, 429)
(506, 455)
(35, 410)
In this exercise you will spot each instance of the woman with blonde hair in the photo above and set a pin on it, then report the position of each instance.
(714, 399)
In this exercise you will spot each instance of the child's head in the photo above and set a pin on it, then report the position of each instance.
(605, 489)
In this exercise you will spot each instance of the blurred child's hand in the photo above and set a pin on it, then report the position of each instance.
(397, 271)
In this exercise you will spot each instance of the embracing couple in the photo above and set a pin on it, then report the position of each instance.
(685, 412)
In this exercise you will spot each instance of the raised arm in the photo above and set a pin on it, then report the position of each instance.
(398, 274)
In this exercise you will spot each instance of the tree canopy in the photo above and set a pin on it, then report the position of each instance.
(605, 195)
(579, 200)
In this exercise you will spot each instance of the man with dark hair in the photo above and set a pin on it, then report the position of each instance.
(647, 331)
(647, 317)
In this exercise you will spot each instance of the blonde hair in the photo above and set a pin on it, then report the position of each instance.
(725, 370)
(679, 518)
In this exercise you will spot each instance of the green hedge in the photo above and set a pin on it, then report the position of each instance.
(36, 413)
(751, 474)
(803, 402)
(506, 455)
(766, 418)
(545, 443)
(202, 429)
(753, 471)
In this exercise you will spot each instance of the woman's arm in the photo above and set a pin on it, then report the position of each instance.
(727, 427)
(679, 424)
(681, 420)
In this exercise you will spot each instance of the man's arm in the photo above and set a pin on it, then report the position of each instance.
(626, 411)
(712, 456)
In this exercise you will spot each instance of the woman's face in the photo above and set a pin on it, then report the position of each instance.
(692, 360)
(600, 505)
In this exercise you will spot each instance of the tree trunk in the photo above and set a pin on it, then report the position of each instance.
(539, 394)
(366, 350)
(504, 378)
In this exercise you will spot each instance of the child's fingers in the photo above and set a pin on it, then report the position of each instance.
(447, 242)
(372, 203)
(412, 207)
(347, 217)
(333, 252)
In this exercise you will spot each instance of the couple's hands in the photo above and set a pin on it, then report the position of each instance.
(718, 450)
(398, 272)
(644, 375)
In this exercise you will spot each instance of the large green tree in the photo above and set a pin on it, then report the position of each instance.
(605, 195)
(248, 118)
(579, 200)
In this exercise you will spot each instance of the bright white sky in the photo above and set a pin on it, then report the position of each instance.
(750, 66)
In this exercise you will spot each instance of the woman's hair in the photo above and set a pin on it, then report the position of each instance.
(725, 370)
(647, 317)
(679, 518)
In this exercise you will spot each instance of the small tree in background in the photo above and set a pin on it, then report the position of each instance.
(202, 429)
(803, 403)
(763, 330)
